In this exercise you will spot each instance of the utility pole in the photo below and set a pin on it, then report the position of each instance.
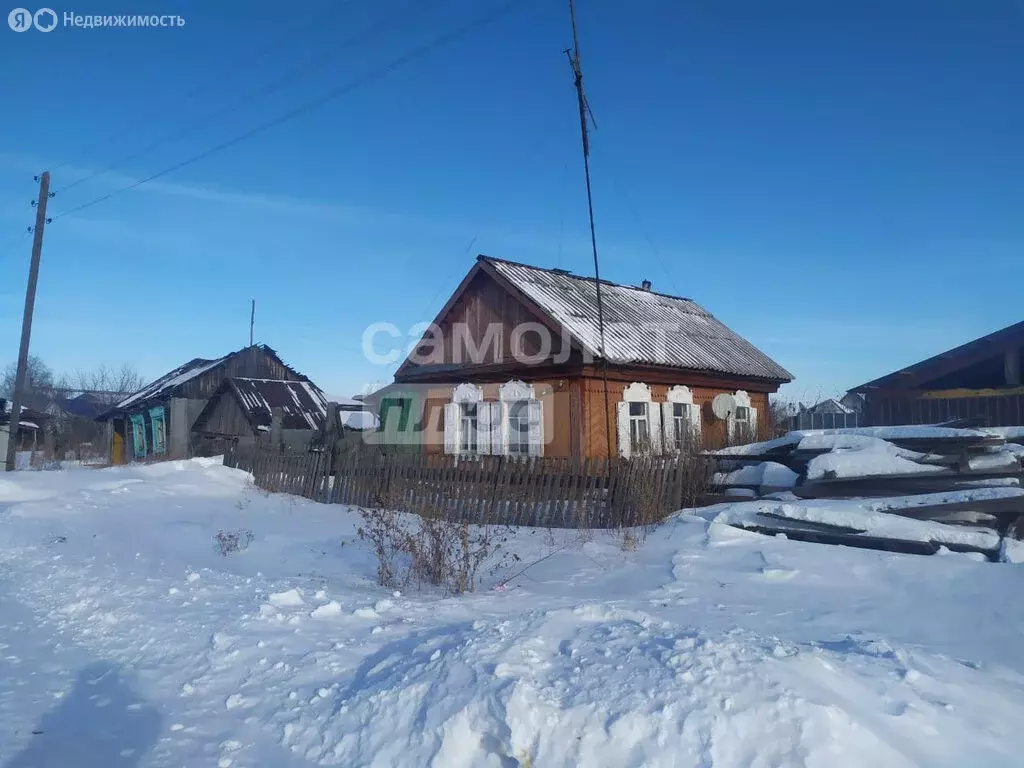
(26, 322)
(252, 321)
(577, 70)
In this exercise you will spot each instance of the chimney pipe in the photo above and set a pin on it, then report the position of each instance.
(645, 285)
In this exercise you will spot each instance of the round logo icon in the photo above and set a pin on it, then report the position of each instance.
(45, 19)
(20, 19)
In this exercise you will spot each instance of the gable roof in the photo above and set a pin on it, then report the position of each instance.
(86, 405)
(641, 326)
(919, 374)
(302, 403)
(170, 382)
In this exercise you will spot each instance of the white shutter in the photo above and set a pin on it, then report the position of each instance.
(622, 422)
(753, 424)
(654, 424)
(535, 419)
(695, 424)
(730, 424)
(499, 429)
(484, 425)
(451, 428)
(672, 440)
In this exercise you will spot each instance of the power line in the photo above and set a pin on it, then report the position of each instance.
(375, 74)
(328, 11)
(640, 227)
(265, 90)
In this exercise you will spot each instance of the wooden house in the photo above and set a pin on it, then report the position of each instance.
(157, 421)
(243, 410)
(979, 380)
(512, 365)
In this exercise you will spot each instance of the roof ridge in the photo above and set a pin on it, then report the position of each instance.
(586, 278)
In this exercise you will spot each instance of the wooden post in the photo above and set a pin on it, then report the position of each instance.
(276, 438)
(26, 322)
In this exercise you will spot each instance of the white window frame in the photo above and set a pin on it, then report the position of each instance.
(679, 396)
(637, 392)
(454, 421)
(741, 429)
(511, 396)
(469, 439)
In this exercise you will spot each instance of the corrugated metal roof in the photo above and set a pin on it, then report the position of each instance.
(175, 378)
(641, 326)
(302, 403)
(167, 384)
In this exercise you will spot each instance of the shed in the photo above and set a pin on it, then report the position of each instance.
(979, 380)
(156, 421)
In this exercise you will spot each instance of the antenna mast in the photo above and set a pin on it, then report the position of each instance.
(252, 321)
(585, 113)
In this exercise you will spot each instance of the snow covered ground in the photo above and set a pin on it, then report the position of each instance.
(127, 639)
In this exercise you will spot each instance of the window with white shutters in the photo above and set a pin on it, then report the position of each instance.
(742, 422)
(639, 422)
(639, 427)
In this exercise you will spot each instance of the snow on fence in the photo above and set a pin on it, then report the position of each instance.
(547, 492)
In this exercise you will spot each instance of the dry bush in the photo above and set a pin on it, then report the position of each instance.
(233, 541)
(658, 488)
(432, 551)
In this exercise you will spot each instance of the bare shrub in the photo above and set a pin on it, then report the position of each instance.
(431, 551)
(233, 541)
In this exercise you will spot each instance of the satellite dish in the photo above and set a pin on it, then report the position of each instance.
(723, 405)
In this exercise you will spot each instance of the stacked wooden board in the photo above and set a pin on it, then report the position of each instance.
(948, 476)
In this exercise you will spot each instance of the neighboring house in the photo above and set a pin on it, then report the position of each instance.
(853, 402)
(828, 414)
(354, 414)
(28, 436)
(512, 366)
(980, 379)
(157, 420)
(242, 410)
(831, 405)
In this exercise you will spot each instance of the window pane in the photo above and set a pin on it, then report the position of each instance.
(677, 410)
(518, 428)
(638, 409)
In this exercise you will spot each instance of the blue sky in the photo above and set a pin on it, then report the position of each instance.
(840, 182)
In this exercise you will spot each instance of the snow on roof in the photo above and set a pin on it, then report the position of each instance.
(357, 419)
(178, 376)
(641, 326)
(343, 400)
(302, 404)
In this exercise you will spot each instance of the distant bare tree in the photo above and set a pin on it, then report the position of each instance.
(39, 384)
(108, 384)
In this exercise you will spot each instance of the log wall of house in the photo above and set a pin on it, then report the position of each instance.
(713, 431)
(556, 396)
(574, 413)
(994, 407)
(251, 363)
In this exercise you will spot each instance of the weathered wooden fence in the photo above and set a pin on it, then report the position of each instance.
(549, 492)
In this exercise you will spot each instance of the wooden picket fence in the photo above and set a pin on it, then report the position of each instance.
(548, 492)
